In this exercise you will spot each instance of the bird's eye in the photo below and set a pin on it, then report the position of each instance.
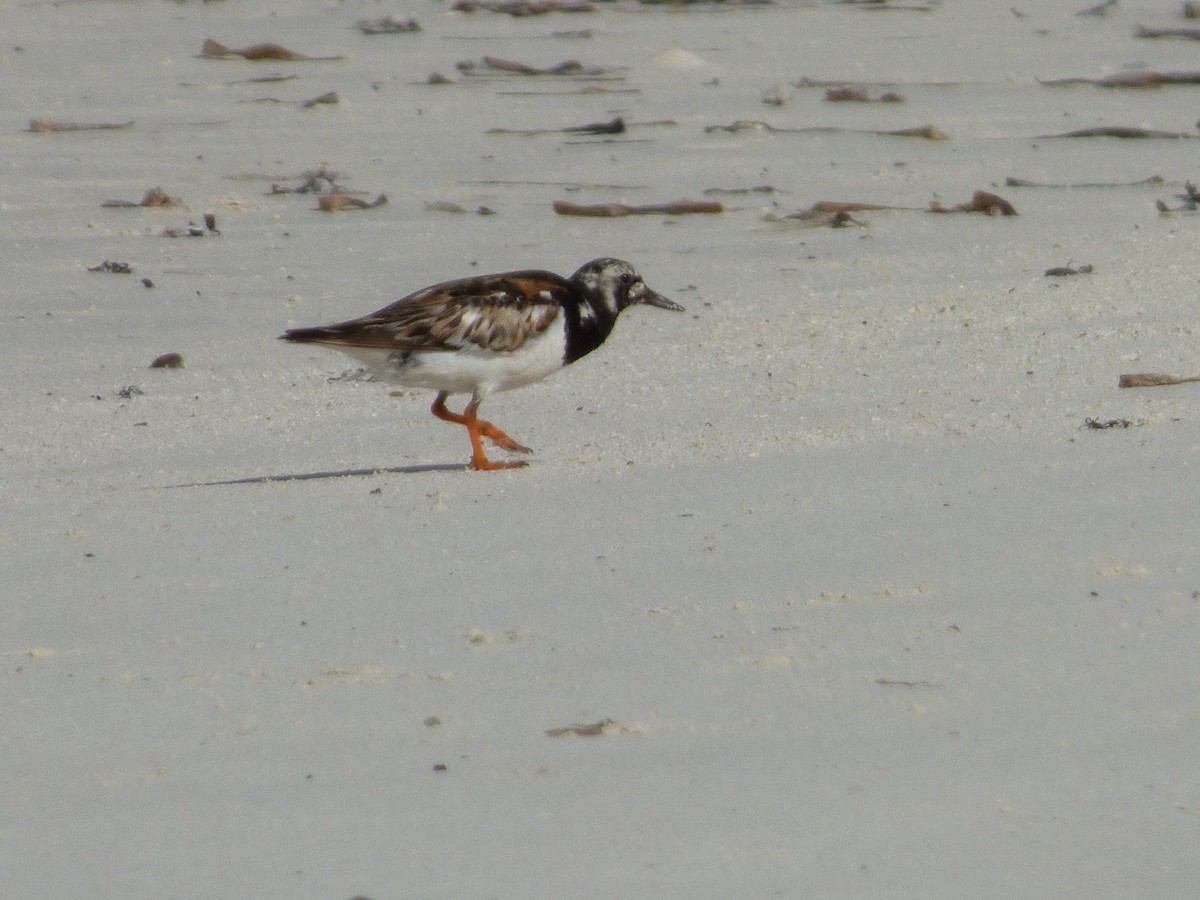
(625, 279)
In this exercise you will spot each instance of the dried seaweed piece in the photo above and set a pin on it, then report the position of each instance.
(167, 361)
(39, 126)
(117, 268)
(1148, 379)
(388, 25)
(981, 201)
(338, 202)
(1064, 271)
(211, 49)
(859, 94)
(1124, 132)
(613, 210)
(156, 196)
(1101, 424)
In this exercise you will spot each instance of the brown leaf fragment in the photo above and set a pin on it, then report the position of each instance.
(53, 125)
(167, 361)
(613, 210)
(982, 201)
(211, 49)
(388, 25)
(1150, 379)
(154, 197)
(338, 202)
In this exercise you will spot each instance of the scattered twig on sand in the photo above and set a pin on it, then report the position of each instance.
(156, 196)
(523, 8)
(757, 189)
(40, 126)
(1129, 80)
(1150, 379)
(1124, 132)
(814, 218)
(612, 210)
(613, 126)
(1100, 9)
(1026, 183)
(211, 49)
(1065, 271)
(928, 132)
(592, 729)
(1101, 424)
(388, 25)
(1190, 34)
(491, 65)
(807, 82)
(831, 214)
(982, 202)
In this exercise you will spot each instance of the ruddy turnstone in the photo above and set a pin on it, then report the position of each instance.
(489, 333)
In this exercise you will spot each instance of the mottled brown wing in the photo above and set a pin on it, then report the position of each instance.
(495, 312)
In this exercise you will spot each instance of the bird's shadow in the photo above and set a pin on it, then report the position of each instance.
(338, 473)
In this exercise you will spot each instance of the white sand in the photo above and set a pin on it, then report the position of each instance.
(873, 613)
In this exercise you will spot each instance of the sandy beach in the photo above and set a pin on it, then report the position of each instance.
(860, 578)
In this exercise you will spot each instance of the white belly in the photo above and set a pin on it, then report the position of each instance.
(471, 370)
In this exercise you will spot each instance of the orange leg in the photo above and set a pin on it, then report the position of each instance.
(478, 429)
